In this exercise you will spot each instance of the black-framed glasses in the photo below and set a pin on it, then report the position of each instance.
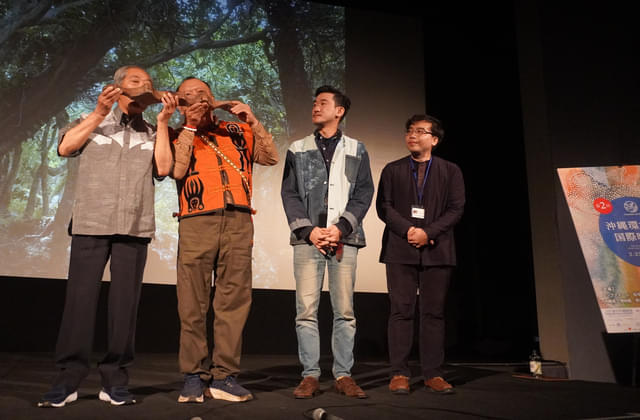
(418, 131)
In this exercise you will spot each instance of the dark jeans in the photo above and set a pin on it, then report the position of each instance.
(403, 281)
(89, 255)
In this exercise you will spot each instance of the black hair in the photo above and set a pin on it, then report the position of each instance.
(436, 125)
(338, 97)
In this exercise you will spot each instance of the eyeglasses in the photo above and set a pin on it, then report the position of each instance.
(418, 131)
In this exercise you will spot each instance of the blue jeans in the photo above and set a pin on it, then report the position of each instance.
(308, 268)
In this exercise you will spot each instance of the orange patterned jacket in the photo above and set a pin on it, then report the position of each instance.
(214, 181)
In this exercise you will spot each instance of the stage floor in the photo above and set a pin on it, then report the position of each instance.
(482, 392)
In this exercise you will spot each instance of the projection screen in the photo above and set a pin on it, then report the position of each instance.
(269, 54)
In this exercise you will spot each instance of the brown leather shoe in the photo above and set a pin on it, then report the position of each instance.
(307, 388)
(347, 386)
(399, 384)
(439, 385)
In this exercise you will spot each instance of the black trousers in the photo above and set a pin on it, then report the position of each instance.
(432, 282)
(89, 255)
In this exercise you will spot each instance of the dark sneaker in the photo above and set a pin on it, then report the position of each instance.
(347, 386)
(307, 388)
(438, 385)
(228, 389)
(58, 397)
(117, 395)
(399, 385)
(192, 389)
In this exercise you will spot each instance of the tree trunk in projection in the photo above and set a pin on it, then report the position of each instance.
(65, 205)
(10, 179)
(22, 14)
(47, 171)
(5, 165)
(296, 91)
(38, 176)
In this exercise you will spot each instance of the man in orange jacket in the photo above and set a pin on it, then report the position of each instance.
(213, 170)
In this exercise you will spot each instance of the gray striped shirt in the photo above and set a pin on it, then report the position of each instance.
(114, 191)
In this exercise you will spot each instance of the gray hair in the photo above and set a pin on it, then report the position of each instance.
(120, 74)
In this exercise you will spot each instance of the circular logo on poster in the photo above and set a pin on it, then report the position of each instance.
(620, 228)
(630, 206)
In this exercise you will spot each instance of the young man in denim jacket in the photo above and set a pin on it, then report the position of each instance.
(326, 192)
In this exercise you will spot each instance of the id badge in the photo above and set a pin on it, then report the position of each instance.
(417, 211)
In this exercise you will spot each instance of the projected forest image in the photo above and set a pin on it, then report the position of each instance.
(57, 56)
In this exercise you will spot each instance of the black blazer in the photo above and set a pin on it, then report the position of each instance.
(443, 202)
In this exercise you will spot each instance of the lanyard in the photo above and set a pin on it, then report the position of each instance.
(414, 171)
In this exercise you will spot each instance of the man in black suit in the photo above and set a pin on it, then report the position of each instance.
(420, 199)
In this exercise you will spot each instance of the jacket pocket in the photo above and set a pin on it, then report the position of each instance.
(351, 166)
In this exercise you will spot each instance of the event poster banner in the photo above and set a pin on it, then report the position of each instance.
(604, 203)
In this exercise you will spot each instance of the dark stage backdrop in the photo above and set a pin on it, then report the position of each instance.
(579, 83)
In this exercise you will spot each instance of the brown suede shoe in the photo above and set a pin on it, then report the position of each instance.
(347, 386)
(307, 388)
(399, 384)
(439, 385)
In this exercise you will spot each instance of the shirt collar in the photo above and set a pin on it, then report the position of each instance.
(125, 119)
(337, 136)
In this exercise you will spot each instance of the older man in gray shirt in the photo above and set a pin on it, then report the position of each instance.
(113, 217)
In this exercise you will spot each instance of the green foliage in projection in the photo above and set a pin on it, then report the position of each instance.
(322, 59)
